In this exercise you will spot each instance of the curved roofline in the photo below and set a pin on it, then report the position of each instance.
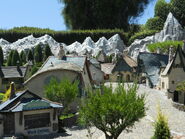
(49, 70)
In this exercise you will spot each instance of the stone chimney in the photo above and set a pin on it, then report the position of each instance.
(12, 90)
(61, 52)
(170, 56)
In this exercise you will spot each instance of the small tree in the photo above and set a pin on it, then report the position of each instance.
(30, 56)
(47, 52)
(38, 54)
(23, 57)
(15, 58)
(112, 112)
(9, 60)
(162, 130)
(1, 56)
(63, 92)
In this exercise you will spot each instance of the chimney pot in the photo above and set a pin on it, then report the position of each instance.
(12, 90)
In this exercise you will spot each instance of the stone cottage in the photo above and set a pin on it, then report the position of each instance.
(173, 74)
(122, 69)
(16, 74)
(25, 113)
(66, 67)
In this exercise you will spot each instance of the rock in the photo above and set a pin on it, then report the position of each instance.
(172, 30)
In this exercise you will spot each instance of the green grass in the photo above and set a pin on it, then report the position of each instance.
(164, 46)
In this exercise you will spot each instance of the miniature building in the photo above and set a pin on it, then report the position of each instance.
(16, 74)
(122, 70)
(172, 75)
(25, 113)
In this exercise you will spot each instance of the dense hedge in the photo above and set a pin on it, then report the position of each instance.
(155, 23)
(141, 35)
(164, 46)
(67, 37)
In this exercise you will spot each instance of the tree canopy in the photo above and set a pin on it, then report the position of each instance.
(47, 52)
(112, 112)
(1, 56)
(101, 14)
(15, 58)
(30, 55)
(38, 54)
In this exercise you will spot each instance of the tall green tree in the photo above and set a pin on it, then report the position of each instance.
(101, 14)
(15, 58)
(112, 112)
(38, 57)
(178, 10)
(9, 60)
(30, 55)
(47, 52)
(1, 56)
(23, 57)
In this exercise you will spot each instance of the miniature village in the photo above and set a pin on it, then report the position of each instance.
(26, 111)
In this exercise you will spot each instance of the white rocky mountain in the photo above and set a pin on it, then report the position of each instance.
(172, 30)
(113, 45)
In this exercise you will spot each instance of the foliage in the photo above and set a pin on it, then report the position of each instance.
(162, 9)
(47, 52)
(1, 56)
(9, 61)
(15, 58)
(141, 35)
(97, 14)
(181, 86)
(162, 130)
(164, 46)
(34, 69)
(30, 55)
(1, 96)
(38, 57)
(112, 112)
(178, 10)
(63, 92)
(23, 57)
(155, 23)
(66, 37)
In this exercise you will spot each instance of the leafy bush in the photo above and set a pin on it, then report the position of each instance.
(181, 86)
(162, 130)
(142, 35)
(155, 23)
(164, 46)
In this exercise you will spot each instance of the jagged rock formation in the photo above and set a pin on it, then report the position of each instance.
(172, 30)
(89, 47)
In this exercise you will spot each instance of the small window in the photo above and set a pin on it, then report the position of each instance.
(37, 120)
(163, 85)
(173, 82)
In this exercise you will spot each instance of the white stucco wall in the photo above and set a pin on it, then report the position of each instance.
(19, 129)
(37, 83)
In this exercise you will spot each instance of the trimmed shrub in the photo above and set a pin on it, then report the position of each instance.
(162, 130)
(164, 46)
(142, 35)
(155, 23)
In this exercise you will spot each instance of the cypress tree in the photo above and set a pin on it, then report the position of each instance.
(30, 55)
(9, 60)
(15, 58)
(1, 56)
(47, 52)
(23, 57)
(38, 54)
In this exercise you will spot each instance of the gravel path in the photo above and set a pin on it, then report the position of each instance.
(143, 129)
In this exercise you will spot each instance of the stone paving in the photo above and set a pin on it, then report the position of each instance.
(144, 128)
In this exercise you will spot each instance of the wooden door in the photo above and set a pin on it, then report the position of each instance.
(176, 96)
(9, 124)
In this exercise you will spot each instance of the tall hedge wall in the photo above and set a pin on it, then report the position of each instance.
(66, 37)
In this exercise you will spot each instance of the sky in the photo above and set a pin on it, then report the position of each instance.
(43, 14)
